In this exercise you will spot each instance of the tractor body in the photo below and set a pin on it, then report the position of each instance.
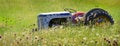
(93, 17)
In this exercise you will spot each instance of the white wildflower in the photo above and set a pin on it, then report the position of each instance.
(93, 29)
(97, 34)
(117, 35)
(115, 39)
(84, 38)
(91, 41)
(61, 27)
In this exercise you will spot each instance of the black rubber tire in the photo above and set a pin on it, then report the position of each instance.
(98, 11)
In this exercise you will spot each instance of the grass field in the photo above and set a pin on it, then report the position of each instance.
(18, 19)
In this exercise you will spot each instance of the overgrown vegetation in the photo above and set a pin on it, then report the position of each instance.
(18, 23)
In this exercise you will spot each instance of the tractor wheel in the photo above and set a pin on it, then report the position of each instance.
(98, 16)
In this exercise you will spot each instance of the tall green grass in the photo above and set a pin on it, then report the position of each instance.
(19, 16)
